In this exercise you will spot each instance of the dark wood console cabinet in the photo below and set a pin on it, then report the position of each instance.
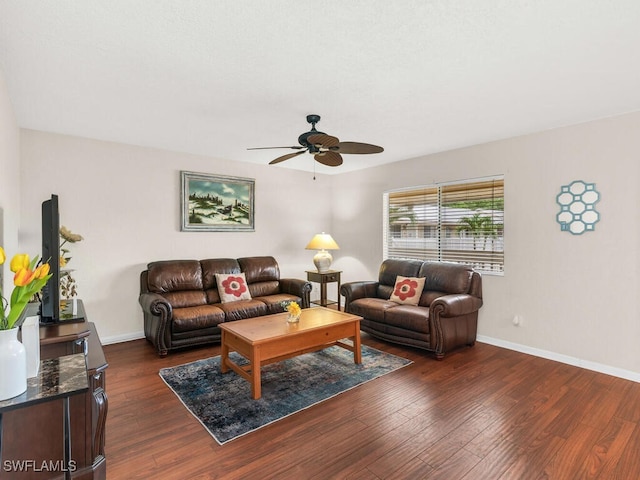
(35, 433)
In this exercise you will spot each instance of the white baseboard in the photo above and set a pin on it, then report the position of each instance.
(122, 338)
(577, 362)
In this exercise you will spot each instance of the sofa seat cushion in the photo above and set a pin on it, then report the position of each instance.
(196, 318)
(372, 308)
(408, 317)
(274, 302)
(243, 309)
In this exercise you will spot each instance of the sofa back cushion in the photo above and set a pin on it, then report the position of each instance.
(174, 276)
(262, 274)
(390, 269)
(212, 266)
(446, 277)
(179, 281)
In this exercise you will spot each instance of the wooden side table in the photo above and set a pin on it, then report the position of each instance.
(331, 276)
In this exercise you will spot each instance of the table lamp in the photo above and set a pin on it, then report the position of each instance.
(322, 242)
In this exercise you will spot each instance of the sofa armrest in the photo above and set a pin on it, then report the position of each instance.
(453, 322)
(157, 315)
(155, 304)
(299, 288)
(455, 305)
(355, 290)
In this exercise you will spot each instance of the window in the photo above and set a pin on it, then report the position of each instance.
(453, 222)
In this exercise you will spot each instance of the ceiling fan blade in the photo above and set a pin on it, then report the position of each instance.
(285, 157)
(323, 139)
(355, 147)
(330, 159)
(298, 147)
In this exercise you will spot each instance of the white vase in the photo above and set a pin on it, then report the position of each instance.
(31, 342)
(13, 365)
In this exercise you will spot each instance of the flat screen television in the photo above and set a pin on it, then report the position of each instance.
(50, 307)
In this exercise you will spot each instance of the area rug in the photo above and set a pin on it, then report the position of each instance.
(223, 404)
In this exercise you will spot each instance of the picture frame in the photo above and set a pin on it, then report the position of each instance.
(215, 203)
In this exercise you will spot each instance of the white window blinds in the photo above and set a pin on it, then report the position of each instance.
(455, 222)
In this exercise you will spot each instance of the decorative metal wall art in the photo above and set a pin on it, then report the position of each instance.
(577, 207)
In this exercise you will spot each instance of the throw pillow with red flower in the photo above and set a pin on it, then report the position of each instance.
(407, 290)
(232, 287)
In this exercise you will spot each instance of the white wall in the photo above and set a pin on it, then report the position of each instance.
(577, 294)
(9, 183)
(125, 201)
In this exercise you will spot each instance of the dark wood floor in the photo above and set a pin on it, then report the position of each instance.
(481, 413)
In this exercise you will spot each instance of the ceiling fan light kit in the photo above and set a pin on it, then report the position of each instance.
(325, 149)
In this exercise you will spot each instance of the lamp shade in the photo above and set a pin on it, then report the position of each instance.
(322, 242)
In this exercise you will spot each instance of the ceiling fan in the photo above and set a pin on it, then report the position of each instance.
(324, 148)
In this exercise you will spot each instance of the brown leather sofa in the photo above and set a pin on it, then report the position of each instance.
(445, 318)
(182, 305)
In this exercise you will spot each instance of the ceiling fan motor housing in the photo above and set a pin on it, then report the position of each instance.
(302, 139)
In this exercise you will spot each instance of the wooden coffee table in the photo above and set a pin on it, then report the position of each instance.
(269, 339)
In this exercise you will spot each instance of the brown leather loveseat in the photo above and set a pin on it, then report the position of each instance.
(445, 318)
(183, 303)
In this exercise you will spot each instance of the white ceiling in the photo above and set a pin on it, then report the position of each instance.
(214, 77)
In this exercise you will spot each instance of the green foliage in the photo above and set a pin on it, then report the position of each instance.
(396, 213)
(487, 204)
(479, 227)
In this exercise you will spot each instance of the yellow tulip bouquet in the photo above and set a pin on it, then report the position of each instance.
(29, 279)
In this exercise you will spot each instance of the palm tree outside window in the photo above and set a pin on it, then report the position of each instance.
(460, 222)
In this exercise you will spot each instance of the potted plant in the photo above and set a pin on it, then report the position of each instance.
(29, 278)
(68, 285)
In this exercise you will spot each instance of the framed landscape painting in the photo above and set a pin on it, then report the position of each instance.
(213, 203)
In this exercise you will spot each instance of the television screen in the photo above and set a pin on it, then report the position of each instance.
(50, 308)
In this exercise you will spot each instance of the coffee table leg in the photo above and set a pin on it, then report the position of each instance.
(357, 350)
(256, 387)
(224, 354)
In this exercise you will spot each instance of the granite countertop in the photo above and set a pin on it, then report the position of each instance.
(57, 378)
